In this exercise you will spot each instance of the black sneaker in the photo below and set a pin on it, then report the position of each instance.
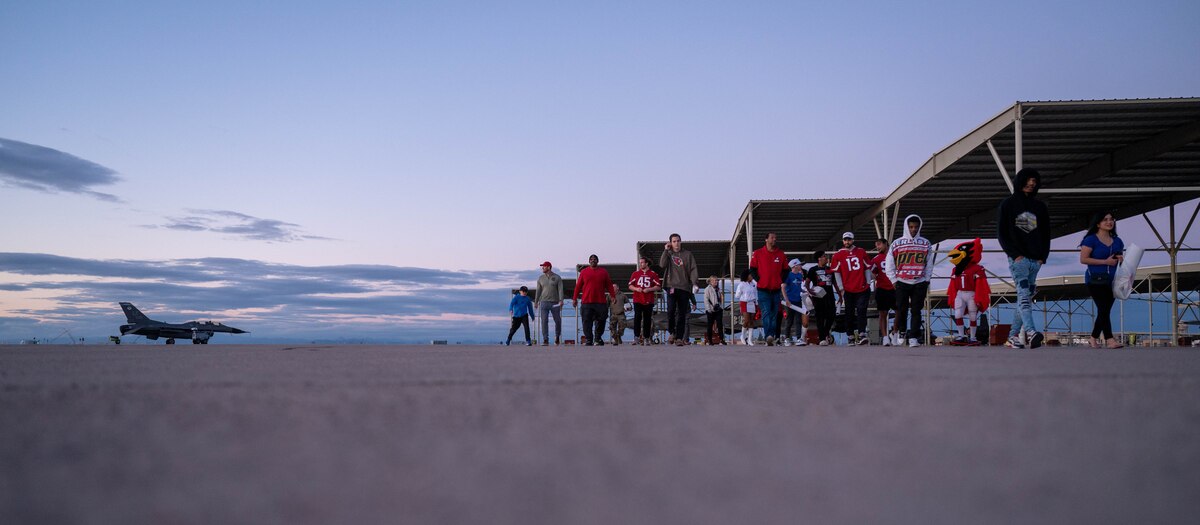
(1035, 339)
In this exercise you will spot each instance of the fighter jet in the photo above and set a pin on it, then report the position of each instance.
(198, 331)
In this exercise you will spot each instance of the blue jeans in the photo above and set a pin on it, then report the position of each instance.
(768, 301)
(1024, 275)
(545, 310)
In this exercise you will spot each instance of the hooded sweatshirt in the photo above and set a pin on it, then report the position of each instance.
(679, 269)
(1023, 228)
(910, 258)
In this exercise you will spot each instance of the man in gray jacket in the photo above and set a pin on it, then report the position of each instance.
(679, 281)
(549, 299)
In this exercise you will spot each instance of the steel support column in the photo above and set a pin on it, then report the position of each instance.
(1000, 165)
(750, 235)
(1174, 282)
(1020, 151)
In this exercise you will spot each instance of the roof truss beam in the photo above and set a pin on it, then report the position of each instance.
(1132, 154)
(1105, 165)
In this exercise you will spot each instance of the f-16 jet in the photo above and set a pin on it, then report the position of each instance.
(198, 331)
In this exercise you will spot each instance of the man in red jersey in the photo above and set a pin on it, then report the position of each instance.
(593, 282)
(850, 270)
(644, 284)
(771, 265)
(885, 293)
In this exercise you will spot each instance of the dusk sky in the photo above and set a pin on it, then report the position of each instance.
(391, 169)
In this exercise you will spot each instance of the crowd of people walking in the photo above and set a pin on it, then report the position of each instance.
(775, 298)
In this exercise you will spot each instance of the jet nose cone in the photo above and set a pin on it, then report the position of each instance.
(239, 331)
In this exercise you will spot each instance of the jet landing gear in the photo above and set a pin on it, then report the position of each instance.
(199, 341)
(171, 341)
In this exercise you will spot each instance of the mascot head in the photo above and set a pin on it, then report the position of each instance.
(966, 254)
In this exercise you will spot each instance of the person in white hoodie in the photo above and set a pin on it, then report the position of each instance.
(908, 265)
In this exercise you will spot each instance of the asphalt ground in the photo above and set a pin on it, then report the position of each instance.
(491, 434)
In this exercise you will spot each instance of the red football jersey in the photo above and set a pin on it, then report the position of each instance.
(852, 265)
(881, 279)
(644, 279)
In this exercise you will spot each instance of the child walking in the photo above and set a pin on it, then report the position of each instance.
(521, 309)
(747, 297)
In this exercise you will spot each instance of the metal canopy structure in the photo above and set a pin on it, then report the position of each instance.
(1127, 157)
(1124, 156)
(801, 226)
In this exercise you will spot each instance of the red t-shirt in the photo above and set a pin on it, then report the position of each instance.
(770, 266)
(852, 265)
(644, 279)
(881, 280)
(592, 284)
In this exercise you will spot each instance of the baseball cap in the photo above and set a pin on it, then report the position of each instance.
(547, 263)
(848, 235)
(793, 263)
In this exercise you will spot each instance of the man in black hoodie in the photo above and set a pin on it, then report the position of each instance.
(1024, 234)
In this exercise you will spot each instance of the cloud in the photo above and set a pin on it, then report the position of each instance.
(379, 302)
(48, 170)
(239, 225)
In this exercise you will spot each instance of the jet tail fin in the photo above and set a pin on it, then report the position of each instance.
(133, 315)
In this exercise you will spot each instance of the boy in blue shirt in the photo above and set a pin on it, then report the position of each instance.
(521, 309)
(795, 311)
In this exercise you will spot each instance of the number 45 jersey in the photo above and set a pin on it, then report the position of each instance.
(910, 257)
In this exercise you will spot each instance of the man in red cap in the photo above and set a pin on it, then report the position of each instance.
(549, 300)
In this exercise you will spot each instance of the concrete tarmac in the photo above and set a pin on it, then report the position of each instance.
(563, 435)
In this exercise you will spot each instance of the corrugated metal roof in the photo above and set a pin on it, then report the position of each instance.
(800, 226)
(1133, 148)
(1118, 144)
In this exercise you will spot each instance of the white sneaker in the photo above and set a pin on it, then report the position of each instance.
(801, 342)
(887, 340)
(824, 342)
(786, 342)
(912, 343)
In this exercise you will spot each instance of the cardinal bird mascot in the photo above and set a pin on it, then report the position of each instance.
(969, 292)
